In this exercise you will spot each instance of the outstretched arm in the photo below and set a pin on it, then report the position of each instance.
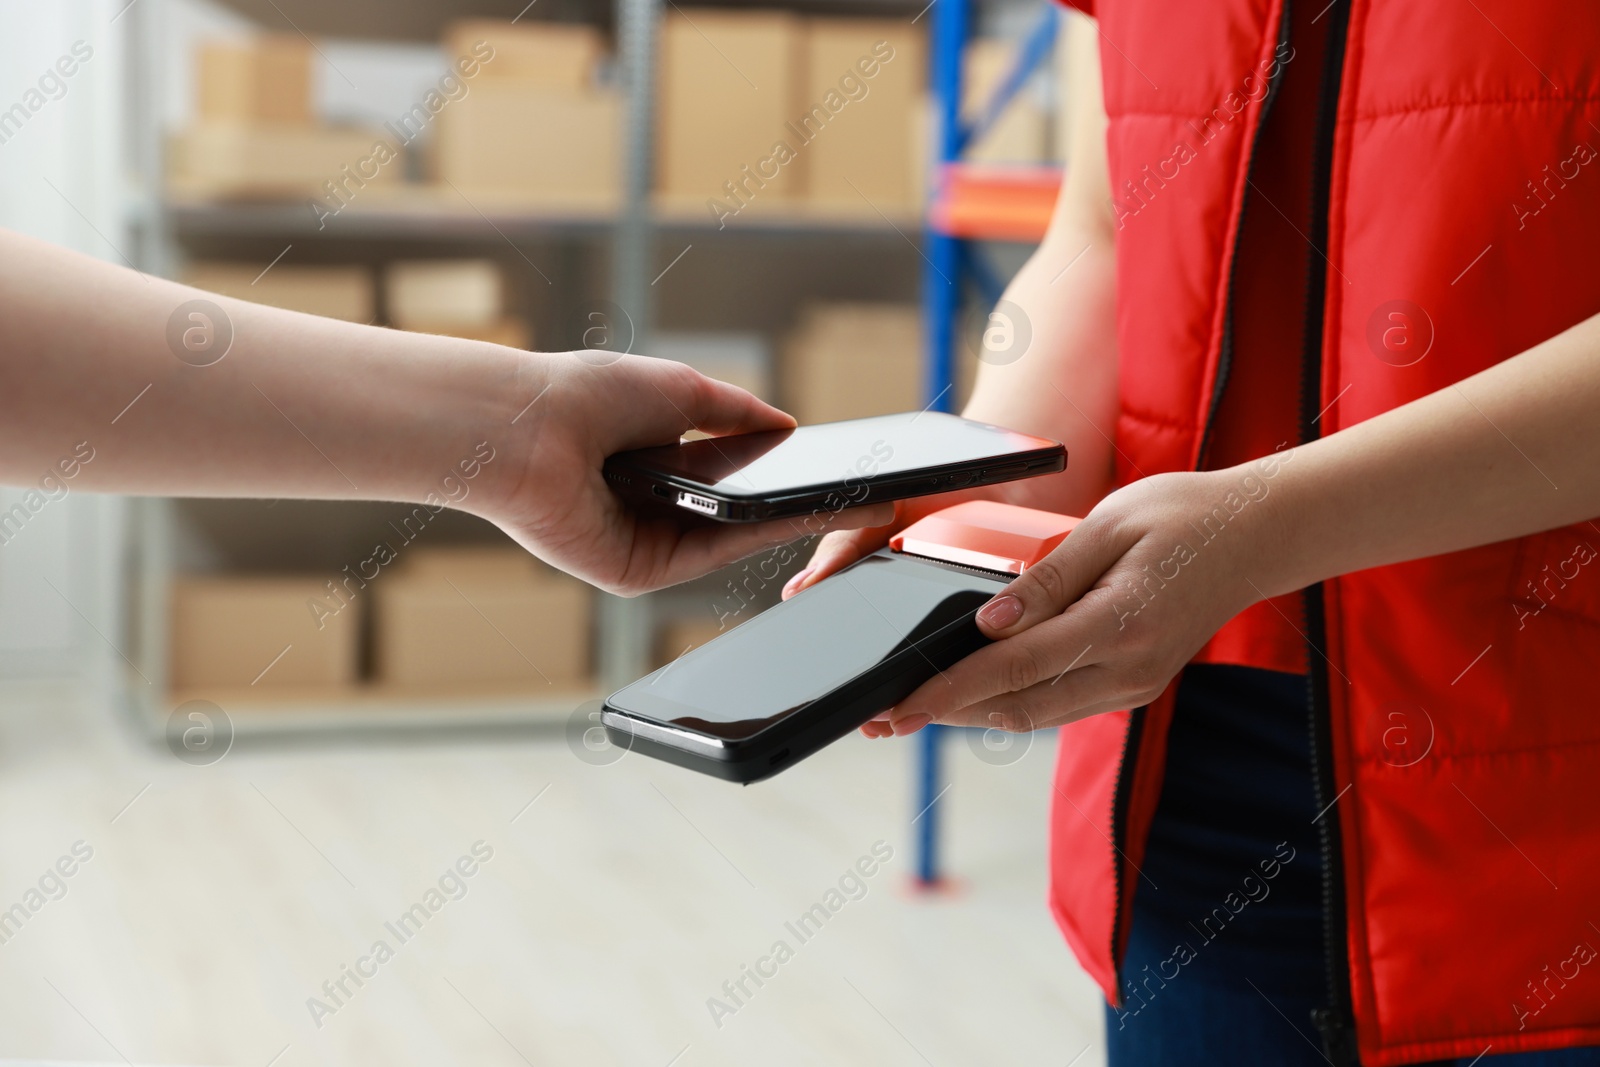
(139, 385)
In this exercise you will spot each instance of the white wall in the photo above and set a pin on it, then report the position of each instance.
(61, 179)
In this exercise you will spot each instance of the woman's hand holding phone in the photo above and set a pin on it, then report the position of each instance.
(839, 549)
(1109, 618)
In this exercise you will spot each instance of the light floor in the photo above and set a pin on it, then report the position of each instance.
(223, 897)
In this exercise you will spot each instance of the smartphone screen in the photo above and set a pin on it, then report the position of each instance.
(768, 464)
(806, 647)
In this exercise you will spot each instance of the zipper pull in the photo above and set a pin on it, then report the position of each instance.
(1338, 1038)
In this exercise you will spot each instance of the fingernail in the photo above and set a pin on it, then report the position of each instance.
(910, 724)
(1001, 612)
(792, 586)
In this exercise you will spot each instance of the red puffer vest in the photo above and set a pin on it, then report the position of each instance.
(1457, 733)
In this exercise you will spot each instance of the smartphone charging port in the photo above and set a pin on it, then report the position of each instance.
(695, 502)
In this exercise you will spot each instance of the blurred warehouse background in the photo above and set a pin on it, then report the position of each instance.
(463, 167)
(431, 167)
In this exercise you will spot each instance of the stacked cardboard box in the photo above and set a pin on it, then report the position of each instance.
(755, 108)
(264, 82)
(265, 633)
(486, 618)
(455, 297)
(276, 161)
(509, 141)
(762, 109)
(336, 292)
(448, 619)
(255, 133)
(729, 82)
(551, 55)
(847, 361)
(863, 91)
(533, 126)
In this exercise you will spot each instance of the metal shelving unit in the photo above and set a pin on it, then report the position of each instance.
(166, 224)
(163, 227)
(953, 263)
(425, 213)
(626, 625)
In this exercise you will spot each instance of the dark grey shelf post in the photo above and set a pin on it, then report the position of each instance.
(625, 625)
(146, 557)
(634, 243)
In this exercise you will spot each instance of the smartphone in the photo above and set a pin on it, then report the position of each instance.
(830, 466)
(799, 676)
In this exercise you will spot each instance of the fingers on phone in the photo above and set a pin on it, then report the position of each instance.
(819, 568)
(835, 552)
(1046, 665)
(796, 583)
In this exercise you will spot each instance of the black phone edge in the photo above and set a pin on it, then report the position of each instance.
(853, 704)
(837, 496)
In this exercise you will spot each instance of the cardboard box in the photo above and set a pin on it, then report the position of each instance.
(847, 361)
(238, 632)
(860, 150)
(728, 83)
(263, 81)
(1022, 132)
(230, 160)
(437, 631)
(461, 292)
(553, 55)
(334, 292)
(512, 139)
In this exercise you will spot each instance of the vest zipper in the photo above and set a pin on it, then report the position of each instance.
(1335, 1021)
(1122, 790)
(1120, 796)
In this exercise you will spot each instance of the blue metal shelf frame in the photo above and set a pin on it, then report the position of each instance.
(949, 263)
